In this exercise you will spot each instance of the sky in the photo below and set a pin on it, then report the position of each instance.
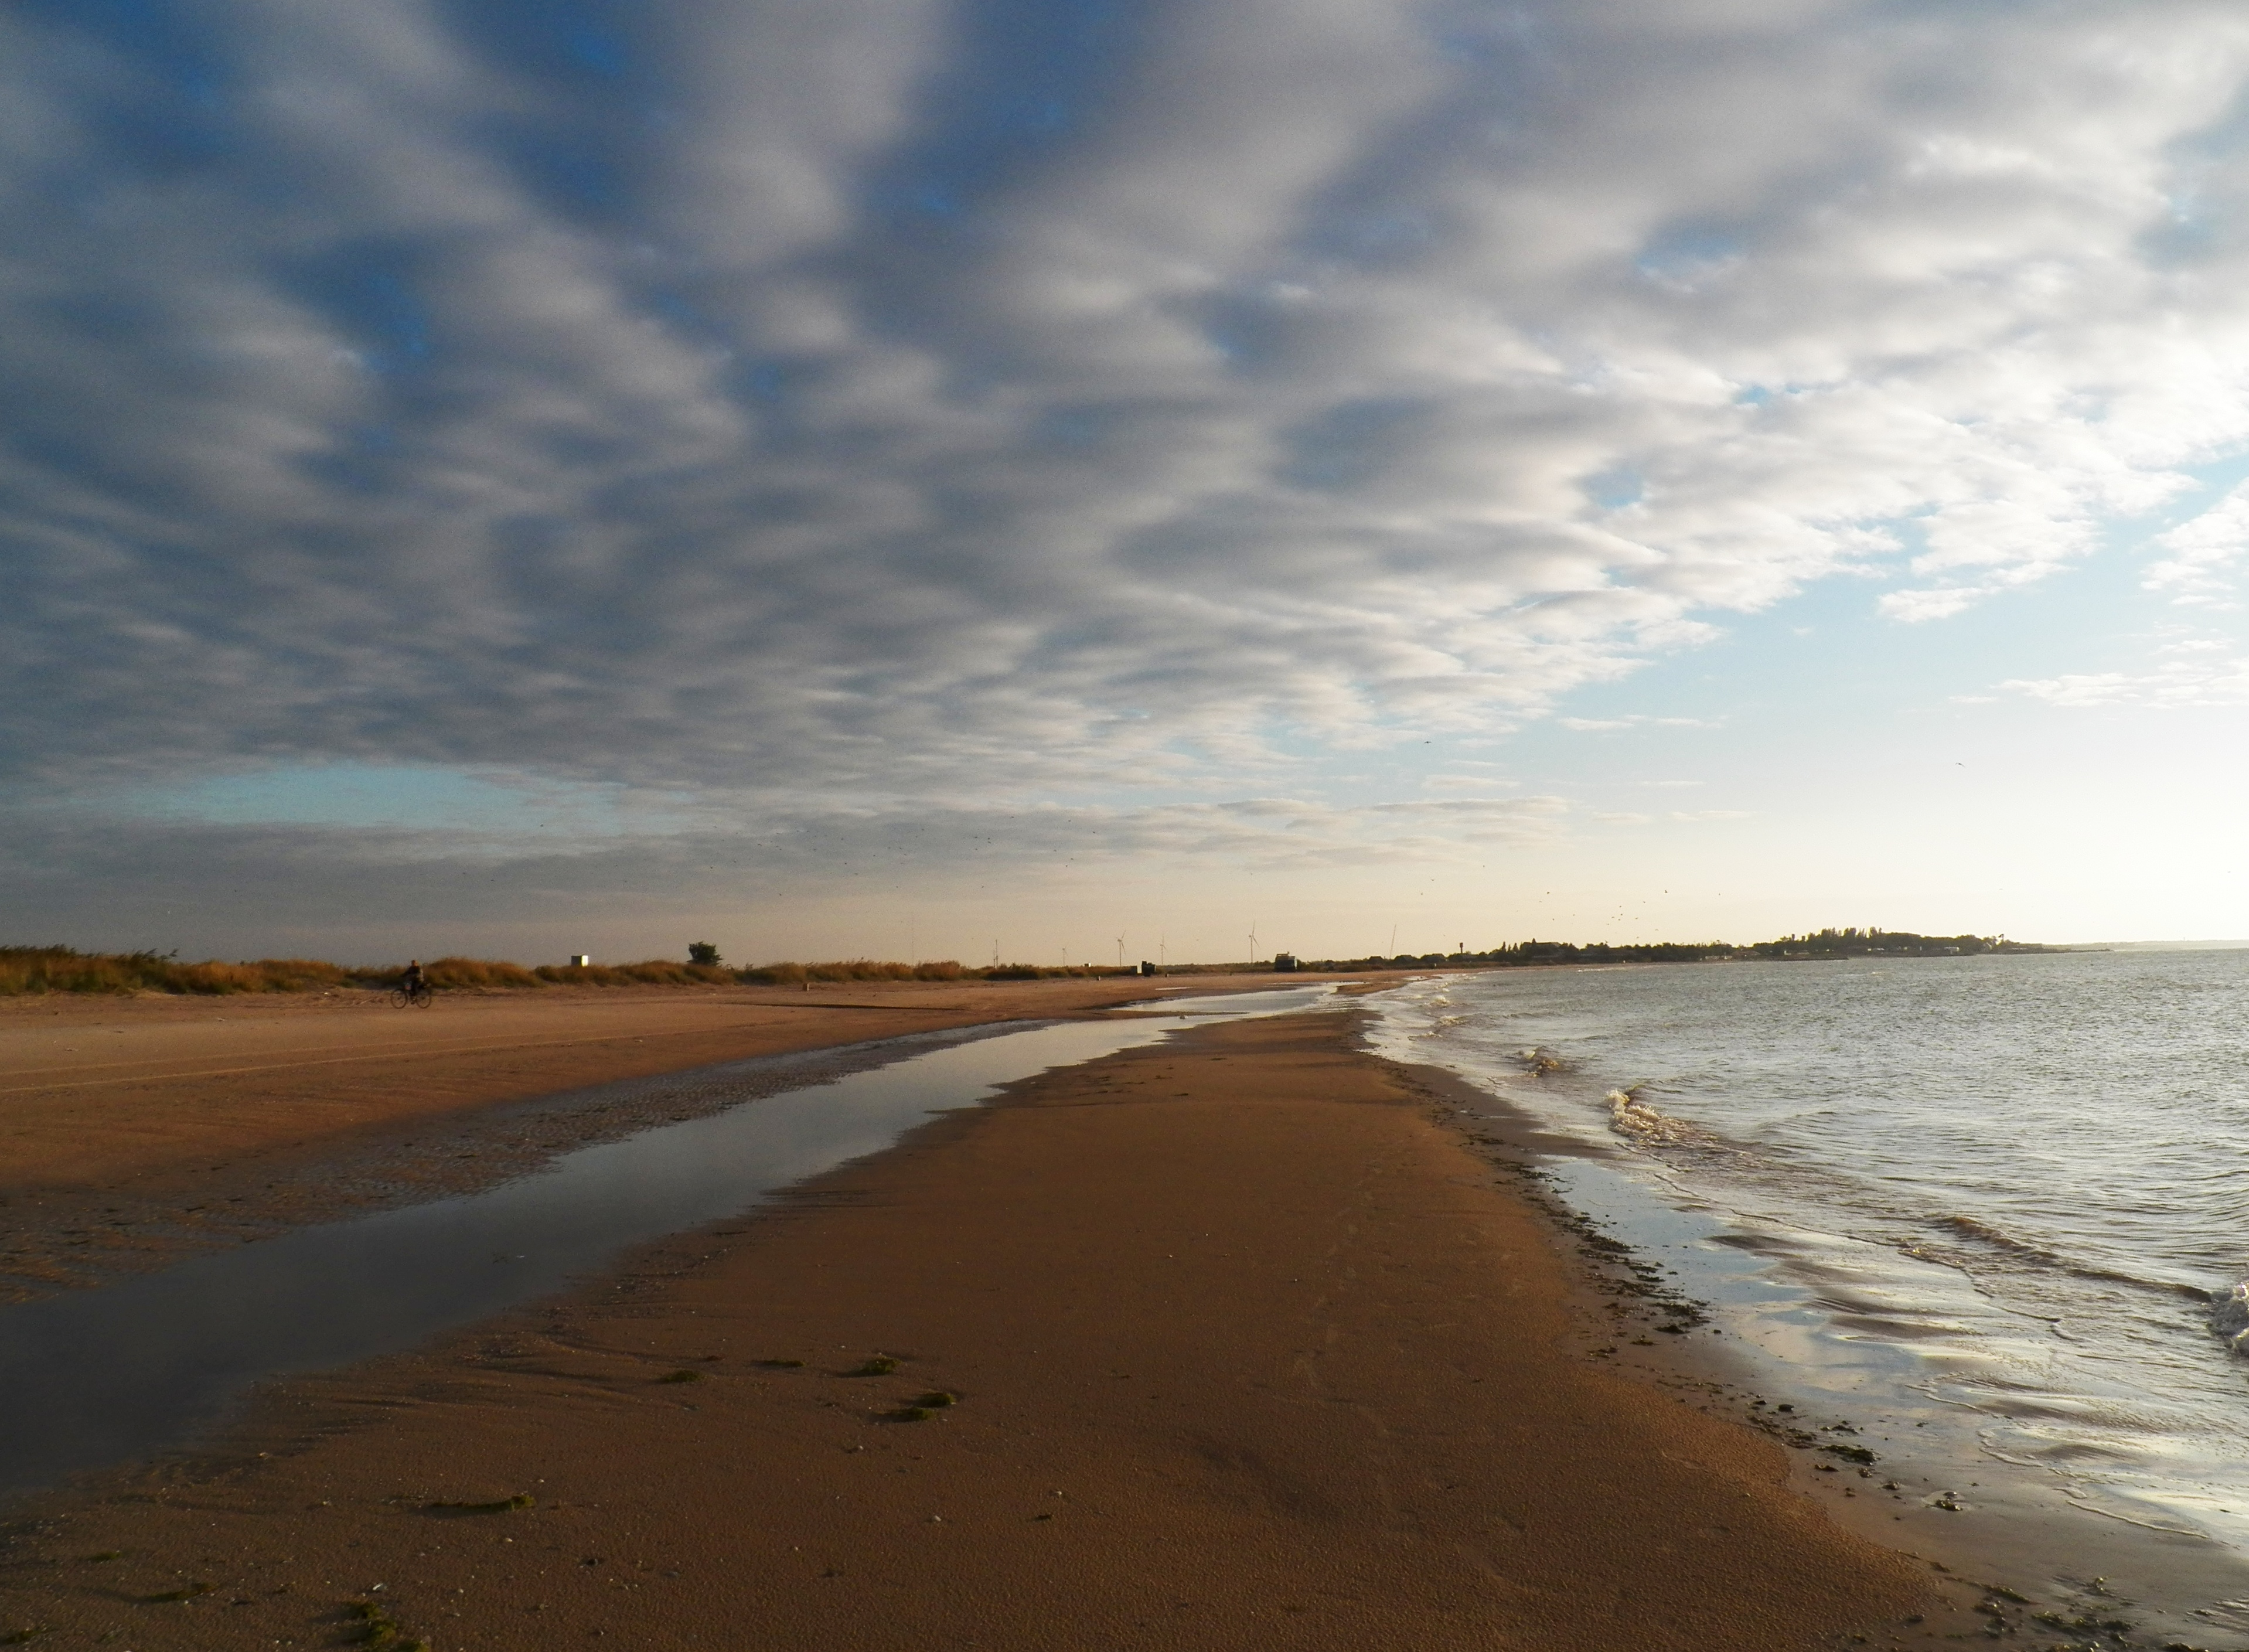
(1073, 480)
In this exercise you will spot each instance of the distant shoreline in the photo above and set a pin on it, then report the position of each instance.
(26, 971)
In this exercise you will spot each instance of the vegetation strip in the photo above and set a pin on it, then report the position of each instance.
(63, 969)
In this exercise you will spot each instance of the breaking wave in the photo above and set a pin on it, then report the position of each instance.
(2229, 1318)
(1636, 1121)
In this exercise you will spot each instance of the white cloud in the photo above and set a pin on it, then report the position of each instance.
(839, 401)
(1917, 607)
(1467, 784)
(2192, 671)
(2203, 553)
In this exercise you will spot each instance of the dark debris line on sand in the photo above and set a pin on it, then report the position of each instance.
(1639, 1299)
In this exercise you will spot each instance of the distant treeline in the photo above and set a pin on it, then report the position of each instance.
(1825, 943)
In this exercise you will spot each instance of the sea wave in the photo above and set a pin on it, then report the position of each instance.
(1636, 1120)
(1975, 1229)
(2229, 1318)
(2034, 1256)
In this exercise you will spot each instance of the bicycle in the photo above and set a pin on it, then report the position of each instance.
(415, 997)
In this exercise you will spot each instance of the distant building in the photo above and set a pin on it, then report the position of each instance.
(1147, 968)
(1286, 963)
(580, 960)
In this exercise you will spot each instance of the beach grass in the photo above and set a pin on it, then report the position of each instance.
(61, 969)
(34, 970)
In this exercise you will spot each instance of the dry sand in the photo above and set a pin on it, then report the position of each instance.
(1251, 1352)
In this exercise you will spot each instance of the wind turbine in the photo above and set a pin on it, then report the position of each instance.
(1120, 952)
(1253, 941)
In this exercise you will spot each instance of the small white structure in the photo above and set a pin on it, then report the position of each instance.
(579, 960)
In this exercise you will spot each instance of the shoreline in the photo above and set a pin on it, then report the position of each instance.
(1302, 1373)
(2047, 1564)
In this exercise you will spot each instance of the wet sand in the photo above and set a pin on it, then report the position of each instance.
(132, 1129)
(1249, 1350)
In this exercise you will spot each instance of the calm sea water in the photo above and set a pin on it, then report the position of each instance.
(2011, 1189)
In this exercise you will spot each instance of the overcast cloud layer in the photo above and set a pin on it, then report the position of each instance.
(823, 412)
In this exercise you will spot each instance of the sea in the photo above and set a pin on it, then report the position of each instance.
(1997, 1207)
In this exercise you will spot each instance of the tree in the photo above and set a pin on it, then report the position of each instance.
(702, 951)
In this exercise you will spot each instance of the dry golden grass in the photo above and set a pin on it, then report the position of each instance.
(62, 969)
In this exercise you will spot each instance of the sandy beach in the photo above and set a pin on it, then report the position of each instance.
(131, 1128)
(1246, 1348)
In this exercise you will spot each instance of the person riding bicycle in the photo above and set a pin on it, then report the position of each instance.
(411, 983)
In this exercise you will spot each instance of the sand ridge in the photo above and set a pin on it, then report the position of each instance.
(1249, 1350)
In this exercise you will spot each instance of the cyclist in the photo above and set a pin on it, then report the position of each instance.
(411, 983)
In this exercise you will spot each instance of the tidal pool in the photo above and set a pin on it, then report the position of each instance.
(98, 1377)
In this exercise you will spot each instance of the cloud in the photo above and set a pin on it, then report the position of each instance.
(1916, 608)
(933, 401)
(1468, 785)
(247, 887)
(2201, 554)
(2187, 672)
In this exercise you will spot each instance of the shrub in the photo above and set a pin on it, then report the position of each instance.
(855, 969)
(775, 975)
(654, 972)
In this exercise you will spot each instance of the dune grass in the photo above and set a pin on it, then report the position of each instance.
(61, 969)
(33, 970)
